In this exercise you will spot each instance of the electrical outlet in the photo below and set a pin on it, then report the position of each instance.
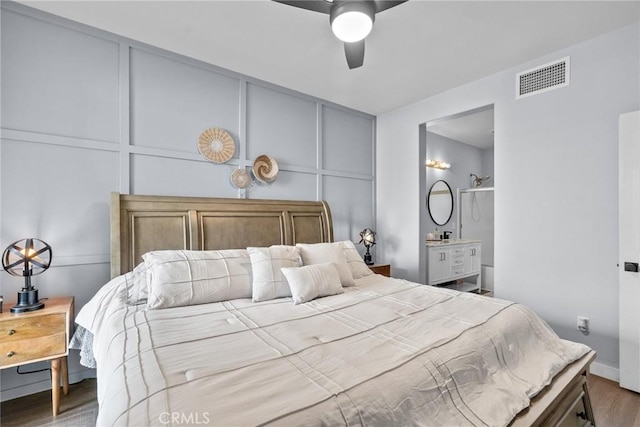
(583, 324)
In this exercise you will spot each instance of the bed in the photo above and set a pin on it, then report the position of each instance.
(373, 351)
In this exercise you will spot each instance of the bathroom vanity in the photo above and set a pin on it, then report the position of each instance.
(453, 259)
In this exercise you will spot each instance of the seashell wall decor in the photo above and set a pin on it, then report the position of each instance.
(265, 169)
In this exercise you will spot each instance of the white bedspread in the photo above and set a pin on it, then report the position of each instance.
(387, 352)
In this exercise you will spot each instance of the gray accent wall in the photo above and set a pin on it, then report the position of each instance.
(85, 113)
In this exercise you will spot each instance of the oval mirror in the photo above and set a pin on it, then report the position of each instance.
(440, 202)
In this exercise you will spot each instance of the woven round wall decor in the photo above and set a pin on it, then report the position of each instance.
(216, 145)
(240, 178)
(265, 169)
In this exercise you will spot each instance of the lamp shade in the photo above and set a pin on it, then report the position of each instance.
(26, 257)
(352, 21)
(368, 237)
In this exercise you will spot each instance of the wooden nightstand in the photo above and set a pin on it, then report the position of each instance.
(39, 335)
(384, 269)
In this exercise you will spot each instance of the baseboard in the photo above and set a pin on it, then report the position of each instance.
(605, 371)
(36, 387)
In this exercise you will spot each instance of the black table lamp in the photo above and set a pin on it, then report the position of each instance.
(368, 239)
(27, 258)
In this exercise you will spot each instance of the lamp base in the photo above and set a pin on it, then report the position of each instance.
(27, 301)
(367, 259)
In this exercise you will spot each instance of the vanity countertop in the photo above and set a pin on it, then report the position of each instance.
(450, 242)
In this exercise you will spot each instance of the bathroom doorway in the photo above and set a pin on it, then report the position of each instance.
(465, 143)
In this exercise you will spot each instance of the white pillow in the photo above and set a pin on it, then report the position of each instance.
(313, 281)
(178, 278)
(322, 253)
(354, 260)
(268, 281)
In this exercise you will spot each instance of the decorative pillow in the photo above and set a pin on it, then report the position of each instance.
(322, 253)
(313, 281)
(268, 281)
(178, 278)
(354, 260)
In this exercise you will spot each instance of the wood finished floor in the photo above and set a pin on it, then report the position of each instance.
(612, 406)
(79, 408)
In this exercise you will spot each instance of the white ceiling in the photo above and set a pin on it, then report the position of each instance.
(416, 49)
(473, 128)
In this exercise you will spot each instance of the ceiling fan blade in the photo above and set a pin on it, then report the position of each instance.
(324, 6)
(387, 4)
(355, 54)
(321, 6)
(353, 51)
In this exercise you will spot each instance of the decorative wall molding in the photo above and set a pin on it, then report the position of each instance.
(75, 168)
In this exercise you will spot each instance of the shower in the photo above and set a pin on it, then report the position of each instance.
(476, 182)
(475, 221)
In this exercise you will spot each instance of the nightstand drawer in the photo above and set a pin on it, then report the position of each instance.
(34, 348)
(28, 328)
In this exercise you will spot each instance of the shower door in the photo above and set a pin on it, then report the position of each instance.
(474, 212)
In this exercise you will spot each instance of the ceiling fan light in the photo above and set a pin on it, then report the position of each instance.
(352, 22)
(352, 26)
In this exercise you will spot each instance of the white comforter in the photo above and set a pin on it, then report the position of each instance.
(387, 352)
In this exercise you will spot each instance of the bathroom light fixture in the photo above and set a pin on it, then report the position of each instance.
(437, 164)
(352, 22)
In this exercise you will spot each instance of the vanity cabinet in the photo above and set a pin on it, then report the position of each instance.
(453, 260)
(438, 265)
(472, 261)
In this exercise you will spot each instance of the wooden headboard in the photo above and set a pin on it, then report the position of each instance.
(143, 223)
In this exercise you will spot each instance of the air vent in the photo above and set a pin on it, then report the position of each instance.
(544, 78)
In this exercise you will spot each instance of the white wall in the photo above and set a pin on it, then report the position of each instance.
(556, 199)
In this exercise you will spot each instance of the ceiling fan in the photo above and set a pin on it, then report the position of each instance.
(351, 21)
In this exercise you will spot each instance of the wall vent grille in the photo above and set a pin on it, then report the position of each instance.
(544, 78)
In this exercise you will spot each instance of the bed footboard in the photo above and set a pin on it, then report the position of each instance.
(566, 398)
